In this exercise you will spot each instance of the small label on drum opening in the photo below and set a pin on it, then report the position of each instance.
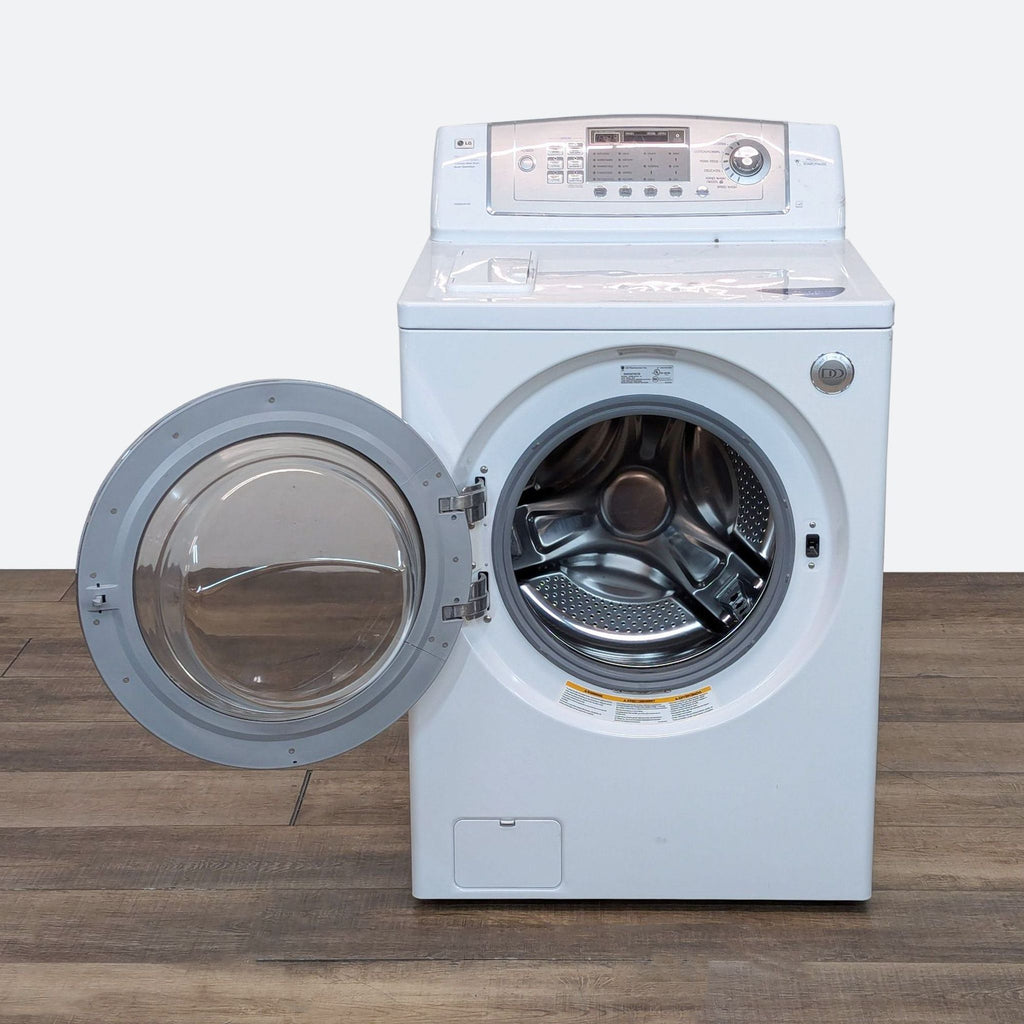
(671, 707)
(646, 373)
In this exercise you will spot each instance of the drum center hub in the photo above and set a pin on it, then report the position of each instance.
(636, 505)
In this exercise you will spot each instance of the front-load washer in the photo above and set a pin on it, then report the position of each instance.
(622, 558)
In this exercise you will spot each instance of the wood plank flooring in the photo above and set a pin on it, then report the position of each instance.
(140, 885)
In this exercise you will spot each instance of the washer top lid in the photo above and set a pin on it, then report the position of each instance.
(644, 287)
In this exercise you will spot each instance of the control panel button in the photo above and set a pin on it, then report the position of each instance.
(555, 177)
(527, 163)
(625, 191)
(575, 163)
(600, 191)
(675, 191)
(703, 191)
(650, 191)
(555, 163)
(832, 372)
(575, 177)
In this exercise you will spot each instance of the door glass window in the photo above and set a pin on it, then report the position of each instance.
(277, 577)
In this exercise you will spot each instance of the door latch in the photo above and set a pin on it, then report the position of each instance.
(101, 597)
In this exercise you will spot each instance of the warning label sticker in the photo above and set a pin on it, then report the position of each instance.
(672, 707)
(646, 373)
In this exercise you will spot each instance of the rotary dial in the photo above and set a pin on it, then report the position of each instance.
(747, 161)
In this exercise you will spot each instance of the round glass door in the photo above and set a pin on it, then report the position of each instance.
(266, 577)
(287, 621)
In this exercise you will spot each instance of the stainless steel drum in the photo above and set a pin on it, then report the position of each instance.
(642, 542)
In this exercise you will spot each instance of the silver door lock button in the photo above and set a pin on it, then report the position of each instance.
(832, 372)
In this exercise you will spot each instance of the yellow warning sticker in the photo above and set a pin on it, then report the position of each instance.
(668, 707)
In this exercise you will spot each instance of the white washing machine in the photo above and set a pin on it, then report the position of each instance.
(622, 558)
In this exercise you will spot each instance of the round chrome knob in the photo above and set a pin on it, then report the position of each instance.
(746, 159)
(527, 163)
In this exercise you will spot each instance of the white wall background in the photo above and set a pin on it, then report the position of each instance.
(193, 194)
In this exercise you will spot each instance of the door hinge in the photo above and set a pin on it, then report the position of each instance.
(101, 597)
(477, 604)
(472, 500)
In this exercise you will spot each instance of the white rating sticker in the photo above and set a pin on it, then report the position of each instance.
(646, 373)
(670, 707)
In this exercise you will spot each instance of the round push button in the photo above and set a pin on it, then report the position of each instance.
(832, 372)
(527, 163)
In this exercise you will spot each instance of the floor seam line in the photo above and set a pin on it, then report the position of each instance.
(14, 660)
(300, 797)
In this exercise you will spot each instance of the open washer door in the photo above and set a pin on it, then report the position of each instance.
(274, 573)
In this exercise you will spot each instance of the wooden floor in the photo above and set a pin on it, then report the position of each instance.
(140, 885)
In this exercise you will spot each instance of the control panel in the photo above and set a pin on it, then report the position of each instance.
(636, 166)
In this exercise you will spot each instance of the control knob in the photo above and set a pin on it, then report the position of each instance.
(746, 160)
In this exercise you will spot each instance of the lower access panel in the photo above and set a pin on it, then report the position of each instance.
(508, 853)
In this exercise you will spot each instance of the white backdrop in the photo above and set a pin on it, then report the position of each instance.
(193, 194)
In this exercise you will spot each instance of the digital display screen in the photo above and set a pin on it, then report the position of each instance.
(638, 154)
(644, 135)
